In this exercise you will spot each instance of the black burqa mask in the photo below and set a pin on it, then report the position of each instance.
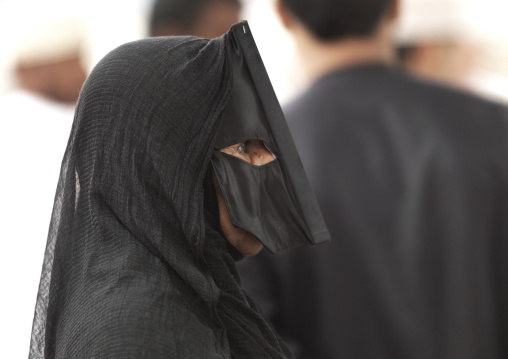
(274, 201)
(135, 264)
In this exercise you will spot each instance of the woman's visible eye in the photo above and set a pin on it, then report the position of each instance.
(242, 148)
(251, 151)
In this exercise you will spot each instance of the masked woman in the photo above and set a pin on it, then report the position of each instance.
(179, 162)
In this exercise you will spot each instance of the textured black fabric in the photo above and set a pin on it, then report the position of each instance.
(412, 180)
(135, 265)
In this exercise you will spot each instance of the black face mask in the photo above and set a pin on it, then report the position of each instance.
(274, 202)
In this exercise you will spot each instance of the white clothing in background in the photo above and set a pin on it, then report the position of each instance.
(33, 137)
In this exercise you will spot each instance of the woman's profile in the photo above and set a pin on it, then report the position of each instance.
(179, 162)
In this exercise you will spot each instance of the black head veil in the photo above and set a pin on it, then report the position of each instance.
(135, 266)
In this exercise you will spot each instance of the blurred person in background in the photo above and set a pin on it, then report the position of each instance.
(50, 69)
(35, 120)
(412, 179)
(436, 40)
(202, 18)
(432, 41)
(442, 60)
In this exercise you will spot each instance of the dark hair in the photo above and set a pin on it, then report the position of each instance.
(336, 19)
(183, 13)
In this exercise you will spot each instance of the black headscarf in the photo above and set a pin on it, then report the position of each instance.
(136, 265)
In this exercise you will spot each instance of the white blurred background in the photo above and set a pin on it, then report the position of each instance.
(464, 41)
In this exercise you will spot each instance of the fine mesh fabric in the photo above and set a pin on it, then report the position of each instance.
(136, 265)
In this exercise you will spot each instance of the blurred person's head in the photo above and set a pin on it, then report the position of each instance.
(448, 62)
(432, 41)
(59, 81)
(203, 18)
(48, 62)
(335, 33)
(331, 20)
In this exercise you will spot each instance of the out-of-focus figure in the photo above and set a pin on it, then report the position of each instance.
(433, 41)
(203, 18)
(412, 179)
(436, 40)
(48, 61)
(36, 115)
(445, 60)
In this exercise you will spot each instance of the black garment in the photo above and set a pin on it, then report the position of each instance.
(136, 266)
(412, 179)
